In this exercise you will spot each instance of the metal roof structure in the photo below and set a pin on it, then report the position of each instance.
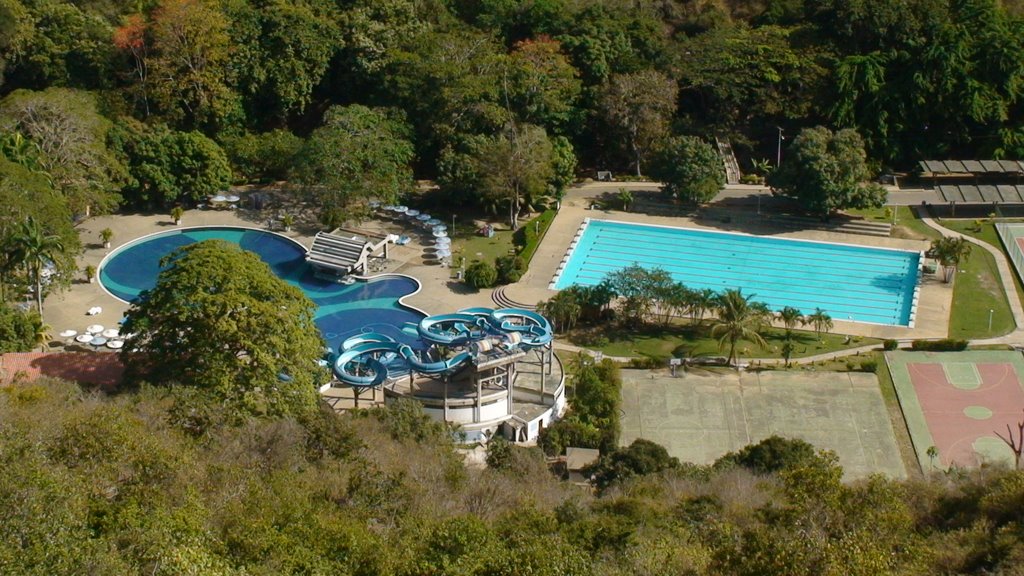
(339, 253)
(985, 194)
(968, 167)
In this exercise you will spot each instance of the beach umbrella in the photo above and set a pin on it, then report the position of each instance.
(401, 209)
(443, 253)
(440, 227)
(411, 213)
(115, 344)
(94, 329)
(231, 198)
(443, 241)
(69, 334)
(98, 341)
(83, 338)
(423, 217)
(110, 333)
(439, 233)
(433, 222)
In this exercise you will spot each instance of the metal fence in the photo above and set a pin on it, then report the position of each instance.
(1009, 233)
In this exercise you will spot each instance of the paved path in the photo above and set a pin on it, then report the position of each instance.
(1016, 337)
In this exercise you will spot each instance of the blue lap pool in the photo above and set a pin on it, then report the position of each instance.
(856, 283)
(342, 311)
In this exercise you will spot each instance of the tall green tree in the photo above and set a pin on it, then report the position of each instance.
(689, 168)
(544, 86)
(189, 73)
(639, 289)
(17, 329)
(38, 250)
(71, 135)
(738, 319)
(282, 51)
(166, 166)
(219, 320)
(359, 153)
(25, 194)
(821, 321)
(638, 108)
(826, 171)
(950, 252)
(516, 167)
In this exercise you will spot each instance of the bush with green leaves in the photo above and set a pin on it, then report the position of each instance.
(263, 157)
(770, 455)
(510, 268)
(944, 345)
(640, 458)
(481, 275)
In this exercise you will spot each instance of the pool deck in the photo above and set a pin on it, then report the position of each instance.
(933, 309)
(67, 309)
(440, 292)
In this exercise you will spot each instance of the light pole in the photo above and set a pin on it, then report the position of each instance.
(778, 150)
(990, 320)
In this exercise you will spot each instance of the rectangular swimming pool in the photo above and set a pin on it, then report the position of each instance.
(855, 283)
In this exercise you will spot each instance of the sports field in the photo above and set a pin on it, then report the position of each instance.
(699, 417)
(958, 402)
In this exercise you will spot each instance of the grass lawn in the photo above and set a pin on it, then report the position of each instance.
(662, 342)
(476, 247)
(979, 288)
(907, 224)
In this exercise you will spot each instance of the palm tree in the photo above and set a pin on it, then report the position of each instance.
(821, 321)
(790, 317)
(625, 199)
(949, 252)
(35, 248)
(703, 300)
(41, 336)
(738, 319)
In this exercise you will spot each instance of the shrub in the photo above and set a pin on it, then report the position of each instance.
(890, 344)
(510, 269)
(944, 345)
(591, 338)
(568, 432)
(529, 235)
(869, 366)
(481, 275)
(648, 362)
(770, 455)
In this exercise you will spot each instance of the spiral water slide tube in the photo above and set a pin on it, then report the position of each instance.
(365, 359)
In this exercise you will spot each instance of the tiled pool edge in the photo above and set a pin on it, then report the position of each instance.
(915, 295)
(570, 250)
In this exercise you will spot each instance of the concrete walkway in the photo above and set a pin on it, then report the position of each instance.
(1015, 338)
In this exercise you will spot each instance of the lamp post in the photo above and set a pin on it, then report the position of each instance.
(990, 320)
(778, 150)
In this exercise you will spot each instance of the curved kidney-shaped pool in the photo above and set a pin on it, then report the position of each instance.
(342, 311)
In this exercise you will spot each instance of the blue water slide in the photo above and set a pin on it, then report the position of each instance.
(535, 329)
(452, 329)
(362, 354)
(437, 367)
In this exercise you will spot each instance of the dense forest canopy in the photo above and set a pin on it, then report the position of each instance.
(914, 77)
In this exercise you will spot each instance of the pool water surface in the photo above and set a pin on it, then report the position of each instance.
(342, 311)
(855, 283)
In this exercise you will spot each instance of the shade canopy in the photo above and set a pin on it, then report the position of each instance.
(439, 233)
(412, 213)
(94, 329)
(83, 338)
(110, 333)
(69, 334)
(115, 344)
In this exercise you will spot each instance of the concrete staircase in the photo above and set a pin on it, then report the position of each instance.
(732, 167)
(502, 301)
